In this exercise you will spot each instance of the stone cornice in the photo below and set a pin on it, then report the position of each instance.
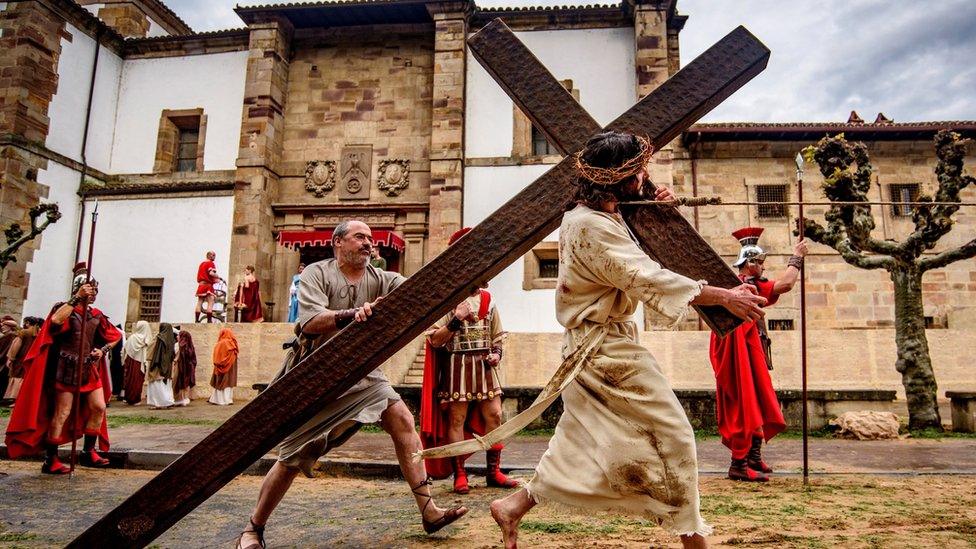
(193, 44)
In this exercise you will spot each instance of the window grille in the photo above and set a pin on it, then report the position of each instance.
(548, 268)
(774, 195)
(903, 192)
(186, 159)
(780, 324)
(540, 145)
(150, 303)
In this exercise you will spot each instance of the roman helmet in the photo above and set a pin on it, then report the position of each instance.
(749, 238)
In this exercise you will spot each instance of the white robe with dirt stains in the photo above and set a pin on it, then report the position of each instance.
(623, 443)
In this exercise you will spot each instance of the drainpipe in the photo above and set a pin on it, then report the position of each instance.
(84, 144)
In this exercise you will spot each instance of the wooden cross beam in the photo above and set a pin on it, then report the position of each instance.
(350, 355)
(663, 232)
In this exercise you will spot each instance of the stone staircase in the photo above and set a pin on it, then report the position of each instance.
(415, 374)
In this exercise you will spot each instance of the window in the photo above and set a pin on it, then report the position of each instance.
(780, 324)
(541, 267)
(150, 300)
(180, 141)
(903, 192)
(145, 300)
(540, 145)
(771, 199)
(186, 157)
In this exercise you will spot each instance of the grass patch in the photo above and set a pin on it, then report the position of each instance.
(556, 527)
(17, 536)
(544, 432)
(931, 433)
(119, 421)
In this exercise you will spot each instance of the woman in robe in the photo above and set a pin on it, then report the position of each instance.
(247, 299)
(224, 377)
(184, 369)
(159, 370)
(16, 365)
(133, 374)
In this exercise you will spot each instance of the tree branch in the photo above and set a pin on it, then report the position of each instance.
(937, 261)
(837, 238)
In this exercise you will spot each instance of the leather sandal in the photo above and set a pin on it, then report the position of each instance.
(54, 467)
(449, 516)
(92, 459)
(259, 530)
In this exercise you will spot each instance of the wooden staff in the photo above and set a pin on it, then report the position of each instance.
(82, 357)
(803, 322)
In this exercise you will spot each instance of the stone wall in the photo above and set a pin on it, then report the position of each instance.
(838, 295)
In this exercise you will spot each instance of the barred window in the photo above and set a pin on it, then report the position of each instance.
(548, 268)
(778, 324)
(150, 302)
(903, 192)
(771, 198)
(540, 145)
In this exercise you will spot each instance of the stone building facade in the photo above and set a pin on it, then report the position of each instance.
(255, 142)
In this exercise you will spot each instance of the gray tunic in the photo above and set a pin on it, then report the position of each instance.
(324, 287)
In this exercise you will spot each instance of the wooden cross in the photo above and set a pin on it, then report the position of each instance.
(490, 247)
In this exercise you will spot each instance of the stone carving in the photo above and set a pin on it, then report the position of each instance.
(320, 177)
(354, 168)
(394, 176)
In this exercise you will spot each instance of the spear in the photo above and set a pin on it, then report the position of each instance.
(82, 356)
(803, 323)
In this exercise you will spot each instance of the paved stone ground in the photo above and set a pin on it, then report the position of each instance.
(827, 455)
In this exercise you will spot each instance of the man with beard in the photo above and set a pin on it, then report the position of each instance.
(331, 295)
(57, 371)
(623, 443)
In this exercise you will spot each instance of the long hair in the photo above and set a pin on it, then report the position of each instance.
(606, 150)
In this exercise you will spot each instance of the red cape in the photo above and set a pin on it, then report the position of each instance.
(31, 416)
(433, 415)
(745, 398)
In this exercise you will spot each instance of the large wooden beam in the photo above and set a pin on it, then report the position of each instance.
(491, 246)
(663, 232)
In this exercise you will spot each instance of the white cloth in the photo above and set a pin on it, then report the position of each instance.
(159, 394)
(222, 397)
(139, 342)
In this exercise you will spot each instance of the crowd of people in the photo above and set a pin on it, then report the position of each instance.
(623, 444)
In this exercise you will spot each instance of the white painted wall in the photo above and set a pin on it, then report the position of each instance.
(212, 82)
(3, 6)
(601, 64)
(93, 8)
(50, 269)
(599, 61)
(155, 29)
(157, 238)
(68, 107)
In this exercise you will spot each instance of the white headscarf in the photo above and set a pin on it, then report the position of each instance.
(139, 342)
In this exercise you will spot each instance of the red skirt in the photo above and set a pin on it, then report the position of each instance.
(204, 289)
(132, 380)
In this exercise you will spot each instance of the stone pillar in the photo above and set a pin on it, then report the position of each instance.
(30, 44)
(447, 133)
(651, 40)
(259, 159)
(126, 19)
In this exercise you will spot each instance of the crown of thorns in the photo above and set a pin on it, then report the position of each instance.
(612, 176)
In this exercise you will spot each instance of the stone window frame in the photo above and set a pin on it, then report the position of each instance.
(135, 300)
(522, 134)
(168, 138)
(532, 278)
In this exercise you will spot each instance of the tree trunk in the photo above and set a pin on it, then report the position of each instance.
(914, 362)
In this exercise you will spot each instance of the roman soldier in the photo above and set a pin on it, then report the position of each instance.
(462, 393)
(65, 361)
(746, 404)
(206, 278)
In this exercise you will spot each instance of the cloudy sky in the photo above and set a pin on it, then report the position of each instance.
(911, 60)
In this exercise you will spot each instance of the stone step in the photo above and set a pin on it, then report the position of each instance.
(413, 379)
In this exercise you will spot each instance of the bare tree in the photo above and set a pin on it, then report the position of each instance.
(16, 237)
(846, 169)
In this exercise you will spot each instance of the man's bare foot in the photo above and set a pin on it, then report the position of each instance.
(507, 521)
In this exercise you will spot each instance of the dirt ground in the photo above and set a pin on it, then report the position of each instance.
(834, 511)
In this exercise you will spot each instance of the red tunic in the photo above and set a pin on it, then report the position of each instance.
(745, 398)
(433, 415)
(31, 416)
(205, 279)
